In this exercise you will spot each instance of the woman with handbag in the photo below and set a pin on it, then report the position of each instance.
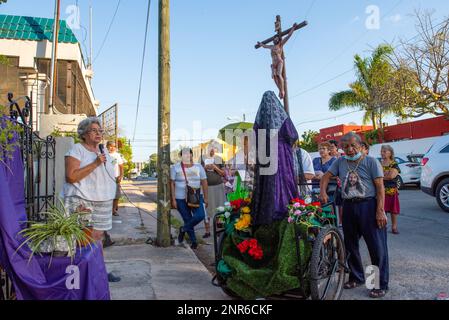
(189, 194)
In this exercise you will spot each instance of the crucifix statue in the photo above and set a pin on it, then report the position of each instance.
(278, 72)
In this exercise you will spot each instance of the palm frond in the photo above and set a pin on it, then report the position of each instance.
(381, 53)
(362, 70)
(344, 99)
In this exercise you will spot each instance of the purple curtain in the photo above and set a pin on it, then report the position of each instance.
(36, 280)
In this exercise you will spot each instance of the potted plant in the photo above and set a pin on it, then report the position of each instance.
(59, 235)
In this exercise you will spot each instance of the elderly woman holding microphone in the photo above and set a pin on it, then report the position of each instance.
(90, 184)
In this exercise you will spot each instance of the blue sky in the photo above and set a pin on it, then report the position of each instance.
(216, 72)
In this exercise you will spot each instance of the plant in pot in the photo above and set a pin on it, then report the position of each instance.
(60, 234)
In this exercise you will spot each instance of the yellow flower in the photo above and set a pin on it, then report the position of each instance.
(243, 223)
(246, 210)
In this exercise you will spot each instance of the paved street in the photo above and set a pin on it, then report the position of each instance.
(149, 272)
(419, 256)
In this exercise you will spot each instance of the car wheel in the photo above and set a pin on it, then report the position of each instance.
(442, 194)
(400, 183)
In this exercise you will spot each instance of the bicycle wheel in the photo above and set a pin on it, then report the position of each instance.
(327, 272)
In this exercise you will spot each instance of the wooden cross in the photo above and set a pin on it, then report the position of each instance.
(280, 34)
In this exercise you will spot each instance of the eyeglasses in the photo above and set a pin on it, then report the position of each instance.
(96, 131)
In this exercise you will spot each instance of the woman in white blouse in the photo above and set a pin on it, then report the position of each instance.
(90, 181)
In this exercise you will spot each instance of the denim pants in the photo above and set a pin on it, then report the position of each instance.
(191, 216)
(359, 220)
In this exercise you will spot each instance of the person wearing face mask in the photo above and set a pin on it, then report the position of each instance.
(364, 216)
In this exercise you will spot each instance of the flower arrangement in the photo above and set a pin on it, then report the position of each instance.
(243, 223)
(252, 247)
(236, 215)
(302, 213)
(225, 212)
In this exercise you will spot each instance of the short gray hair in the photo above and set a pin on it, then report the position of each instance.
(85, 125)
(351, 135)
(388, 148)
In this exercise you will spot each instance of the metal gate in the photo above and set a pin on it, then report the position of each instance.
(38, 156)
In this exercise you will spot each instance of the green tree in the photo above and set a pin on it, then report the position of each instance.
(368, 92)
(125, 149)
(146, 168)
(309, 141)
(153, 163)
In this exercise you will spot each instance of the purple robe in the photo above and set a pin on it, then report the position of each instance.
(35, 280)
(272, 193)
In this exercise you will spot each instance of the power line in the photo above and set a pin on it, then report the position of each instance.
(305, 19)
(141, 67)
(322, 83)
(310, 9)
(354, 42)
(330, 118)
(109, 29)
(343, 73)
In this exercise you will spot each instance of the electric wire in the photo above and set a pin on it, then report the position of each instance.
(108, 31)
(141, 68)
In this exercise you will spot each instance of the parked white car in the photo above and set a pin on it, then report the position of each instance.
(435, 172)
(410, 169)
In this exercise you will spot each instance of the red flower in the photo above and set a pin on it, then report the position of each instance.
(243, 246)
(237, 204)
(316, 204)
(295, 200)
(252, 243)
(255, 251)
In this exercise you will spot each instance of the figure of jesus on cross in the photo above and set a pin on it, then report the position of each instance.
(278, 72)
(277, 53)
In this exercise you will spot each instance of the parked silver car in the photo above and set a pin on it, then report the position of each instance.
(435, 172)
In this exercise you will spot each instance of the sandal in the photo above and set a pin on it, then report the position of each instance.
(377, 293)
(352, 284)
(395, 231)
(206, 235)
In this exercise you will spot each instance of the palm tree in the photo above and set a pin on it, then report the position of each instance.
(367, 92)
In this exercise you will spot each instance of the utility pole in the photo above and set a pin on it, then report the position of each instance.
(54, 58)
(163, 159)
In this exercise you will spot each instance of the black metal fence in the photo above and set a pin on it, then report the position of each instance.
(38, 156)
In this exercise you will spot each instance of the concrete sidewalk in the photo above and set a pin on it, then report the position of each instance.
(149, 272)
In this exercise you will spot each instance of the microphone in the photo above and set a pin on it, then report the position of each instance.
(101, 147)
